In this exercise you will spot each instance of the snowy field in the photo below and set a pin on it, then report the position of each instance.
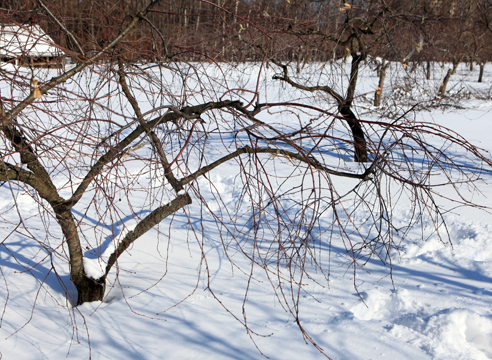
(435, 305)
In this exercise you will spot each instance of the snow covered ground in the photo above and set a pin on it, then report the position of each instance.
(436, 304)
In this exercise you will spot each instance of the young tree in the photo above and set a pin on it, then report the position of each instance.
(90, 138)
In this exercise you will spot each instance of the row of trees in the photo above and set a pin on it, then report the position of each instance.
(300, 30)
(86, 139)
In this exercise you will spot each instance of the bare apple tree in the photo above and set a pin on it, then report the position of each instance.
(112, 133)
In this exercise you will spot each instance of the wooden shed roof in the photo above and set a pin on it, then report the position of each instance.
(26, 40)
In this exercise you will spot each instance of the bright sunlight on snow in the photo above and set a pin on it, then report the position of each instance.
(435, 304)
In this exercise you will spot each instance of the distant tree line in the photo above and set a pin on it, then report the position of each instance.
(287, 30)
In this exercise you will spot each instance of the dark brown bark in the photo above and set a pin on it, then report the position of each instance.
(444, 84)
(344, 106)
(360, 145)
(480, 75)
(354, 75)
(89, 290)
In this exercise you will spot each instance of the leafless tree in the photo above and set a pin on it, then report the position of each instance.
(82, 142)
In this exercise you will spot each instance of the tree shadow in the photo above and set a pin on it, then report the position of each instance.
(458, 276)
(114, 228)
(44, 271)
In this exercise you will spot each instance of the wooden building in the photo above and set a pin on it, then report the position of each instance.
(28, 45)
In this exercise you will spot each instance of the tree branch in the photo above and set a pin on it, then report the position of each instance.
(118, 149)
(344, 104)
(151, 220)
(311, 161)
(285, 77)
(81, 50)
(151, 134)
(70, 73)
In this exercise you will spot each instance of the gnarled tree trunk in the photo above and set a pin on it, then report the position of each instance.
(89, 290)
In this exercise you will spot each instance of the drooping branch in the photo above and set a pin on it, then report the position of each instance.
(310, 160)
(163, 40)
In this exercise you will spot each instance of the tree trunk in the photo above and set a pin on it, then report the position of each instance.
(360, 145)
(354, 74)
(89, 289)
(381, 70)
(480, 75)
(428, 71)
(444, 84)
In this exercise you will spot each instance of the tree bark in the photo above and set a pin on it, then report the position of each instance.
(360, 145)
(93, 289)
(480, 75)
(153, 219)
(87, 289)
(381, 69)
(444, 84)
(344, 104)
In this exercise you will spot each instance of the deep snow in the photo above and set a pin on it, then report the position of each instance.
(435, 304)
